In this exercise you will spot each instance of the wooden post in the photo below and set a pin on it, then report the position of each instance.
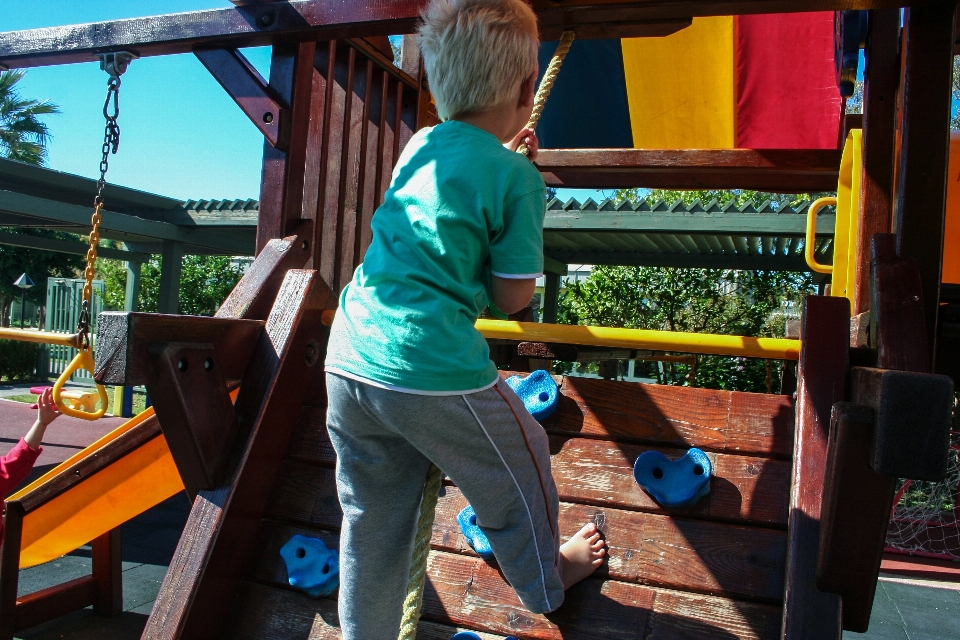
(551, 293)
(923, 135)
(10, 568)
(881, 79)
(282, 183)
(808, 612)
(168, 300)
(108, 572)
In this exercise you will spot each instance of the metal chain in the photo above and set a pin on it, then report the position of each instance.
(111, 140)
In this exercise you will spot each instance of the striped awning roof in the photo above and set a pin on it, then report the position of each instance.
(701, 235)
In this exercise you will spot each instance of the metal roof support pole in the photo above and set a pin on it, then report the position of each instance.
(551, 295)
(132, 294)
(169, 299)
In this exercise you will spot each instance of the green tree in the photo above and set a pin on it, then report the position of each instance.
(205, 282)
(23, 135)
(719, 301)
(39, 265)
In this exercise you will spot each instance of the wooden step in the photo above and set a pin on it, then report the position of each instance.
(692, 555)
(744, 488)
(262, 612)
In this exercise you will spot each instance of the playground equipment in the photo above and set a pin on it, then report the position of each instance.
(786, 481)
(674, 483)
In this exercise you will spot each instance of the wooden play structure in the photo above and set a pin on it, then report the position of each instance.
(787, 544)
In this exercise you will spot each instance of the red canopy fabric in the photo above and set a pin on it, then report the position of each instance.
(787, 95)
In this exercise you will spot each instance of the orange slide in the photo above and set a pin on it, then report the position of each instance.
(139, 480)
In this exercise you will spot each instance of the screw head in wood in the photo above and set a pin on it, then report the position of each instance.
(208, 364)
(182, 365)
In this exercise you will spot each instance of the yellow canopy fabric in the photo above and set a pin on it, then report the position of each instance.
(681, 88)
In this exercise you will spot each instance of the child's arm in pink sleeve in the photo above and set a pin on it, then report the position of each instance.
(16, 465)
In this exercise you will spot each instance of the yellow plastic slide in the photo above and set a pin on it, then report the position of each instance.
(106, 499)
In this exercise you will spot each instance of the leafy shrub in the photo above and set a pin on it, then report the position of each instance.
(18, 360)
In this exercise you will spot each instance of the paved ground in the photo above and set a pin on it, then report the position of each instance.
(904, 609)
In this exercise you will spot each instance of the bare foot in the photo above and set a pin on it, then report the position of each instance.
(581, 555)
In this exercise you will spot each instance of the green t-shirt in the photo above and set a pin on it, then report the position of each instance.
(460, 208)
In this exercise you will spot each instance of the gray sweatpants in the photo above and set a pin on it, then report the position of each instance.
(486, 442)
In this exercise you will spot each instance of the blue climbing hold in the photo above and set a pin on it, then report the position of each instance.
(477, 539)
(470, 635)
(538, 391)
(312, 566)
(674, 483)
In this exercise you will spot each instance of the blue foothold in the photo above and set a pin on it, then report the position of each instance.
(312, 566)
(538, 391)
(474, 535)
(470, 635)
(674, 483)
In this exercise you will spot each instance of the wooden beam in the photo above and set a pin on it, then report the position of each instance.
(923, 131)
(881, 79)
(809, 612)
(123, 353)
(779, 170)
(66, 246)
(248, 89)
(261, 24)
(221, 533)
(898, 318)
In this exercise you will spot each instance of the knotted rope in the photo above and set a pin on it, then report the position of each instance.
(546, 83)
(431, 490)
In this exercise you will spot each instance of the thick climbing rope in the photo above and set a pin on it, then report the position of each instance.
(431, 490)
(546, 83)
(418, 566)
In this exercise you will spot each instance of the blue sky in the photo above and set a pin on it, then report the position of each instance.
(181, 135)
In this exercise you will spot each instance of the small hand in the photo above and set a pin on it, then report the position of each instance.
(47, 410)
(526, 136)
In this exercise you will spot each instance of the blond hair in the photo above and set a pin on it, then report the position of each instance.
(476, 52)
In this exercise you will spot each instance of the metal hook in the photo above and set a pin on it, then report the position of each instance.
(116, 62)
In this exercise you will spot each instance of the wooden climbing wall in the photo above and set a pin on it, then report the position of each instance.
(715, 570)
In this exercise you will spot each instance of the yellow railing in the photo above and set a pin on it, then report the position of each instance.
(846, 228)
(42, 337)
(704, 343)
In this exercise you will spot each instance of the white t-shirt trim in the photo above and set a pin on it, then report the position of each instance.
(517, 276)
(392, 387)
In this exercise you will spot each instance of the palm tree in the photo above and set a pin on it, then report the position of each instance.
(23, 136)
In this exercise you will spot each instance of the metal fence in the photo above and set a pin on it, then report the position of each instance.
(64, 296)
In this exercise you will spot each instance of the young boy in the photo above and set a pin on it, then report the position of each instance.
(409, 379)
(16, 465)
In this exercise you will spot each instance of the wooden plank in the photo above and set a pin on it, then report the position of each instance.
(253, 296)
(263, 24)
(10, 567)
(672, 552)
(108, 573)
(125, 337)
(282, 180)
(354, 144)
(900, 332)
(705, 418)
(221, 530)
(374, 105)
(744, 488)
(337, 74)
(825, 331)
(466, 591)
(857, 502)
(247, 88)
(793, 170)
(196, 413)
(269, 613)
(881, 78)
(55, 601)
(923, 131)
